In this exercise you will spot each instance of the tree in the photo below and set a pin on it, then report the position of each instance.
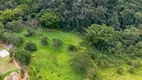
(44, 41)
(132, 69)
(12, 38)
(15, 26)
(30, 46)
(120, 70)
(23, 56)
(127, 18)
(29, 33)
(81, 62)
(57, 42)
(1, 25)
(72, 47)
(99, 36)
(50, 20)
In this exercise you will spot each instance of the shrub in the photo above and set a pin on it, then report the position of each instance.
(104, 64)
(91, 53)
(136, 64)
(120, 70)
(81, 62)
(132, 69)
(57, 42)
(31, 46)
(17, 40)
(23, 56)
(15, 26)
(129, 62)
(44, 41)
(1, 25)
(12, 38)
(72, 47)
(91, 73)
(29, 33)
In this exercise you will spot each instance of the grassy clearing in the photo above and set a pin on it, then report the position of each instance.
(49, 63)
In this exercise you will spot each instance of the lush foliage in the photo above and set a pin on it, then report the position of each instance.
(57, 42)
(23, 56)
(30, 46)
(111, 31)
(81, 62)
(100, 36)
(29, 33)
(77, 14)
(50, 20)
(15, 26)
(44, 41)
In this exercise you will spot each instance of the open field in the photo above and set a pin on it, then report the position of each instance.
(49, 63)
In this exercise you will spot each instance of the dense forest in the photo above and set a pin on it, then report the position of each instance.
(108, 36)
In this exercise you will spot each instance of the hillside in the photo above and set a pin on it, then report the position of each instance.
(73, 39)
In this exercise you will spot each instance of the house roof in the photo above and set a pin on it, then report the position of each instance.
(4, 53)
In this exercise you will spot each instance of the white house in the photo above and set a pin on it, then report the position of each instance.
(4, 53)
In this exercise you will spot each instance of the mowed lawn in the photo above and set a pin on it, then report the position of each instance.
(5, 66)
(48, 62)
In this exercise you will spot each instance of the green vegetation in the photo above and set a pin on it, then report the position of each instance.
(50, 20)
(31, 46)
(75, 39)
(50, 62)
(44, 41)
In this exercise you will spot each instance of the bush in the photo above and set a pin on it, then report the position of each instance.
(12, 38)
(81, 62)
(91, 73)
(136, 64)
(1, 25)
(23, 56)
(57, 42)
(120, 71)
(15, 26)
(31, 46)
(72, 47)
(91, 53)
(104, 64)
(29, 33)
(44, 41)
(132, 69)
(129, 62)
(18, 40)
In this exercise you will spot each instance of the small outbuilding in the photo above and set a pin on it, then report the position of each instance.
(4, 53)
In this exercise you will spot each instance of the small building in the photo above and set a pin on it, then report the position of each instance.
(4, 53)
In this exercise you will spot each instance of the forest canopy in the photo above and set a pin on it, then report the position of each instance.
(79, 14)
